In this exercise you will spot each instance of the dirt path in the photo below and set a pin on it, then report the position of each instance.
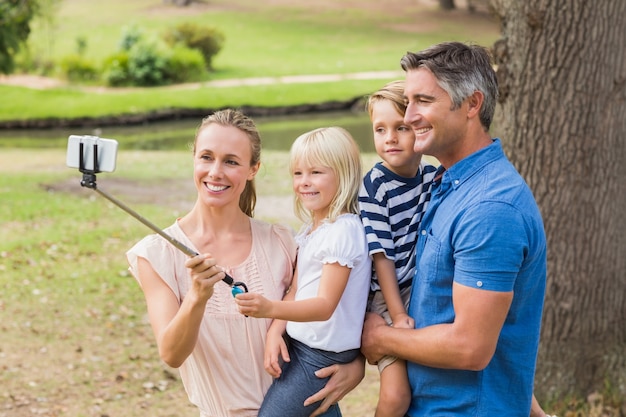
(31, 81)
(42, 83)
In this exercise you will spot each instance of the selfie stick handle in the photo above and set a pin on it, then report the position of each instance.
(89, 181)
(176, 243)
(185, 249)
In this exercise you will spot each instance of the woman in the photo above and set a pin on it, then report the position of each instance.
(193, 315)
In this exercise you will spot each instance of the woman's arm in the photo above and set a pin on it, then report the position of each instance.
(176, 326)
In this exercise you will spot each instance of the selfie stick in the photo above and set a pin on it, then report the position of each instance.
(89, 181)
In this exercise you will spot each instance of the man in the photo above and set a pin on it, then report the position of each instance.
(481, 255)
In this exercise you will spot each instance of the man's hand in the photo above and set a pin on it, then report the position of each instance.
(369, 342)
(343, 379)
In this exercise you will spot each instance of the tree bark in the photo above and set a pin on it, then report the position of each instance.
(562, 117)
(446, 4)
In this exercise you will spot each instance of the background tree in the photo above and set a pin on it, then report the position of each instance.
(15, 19)
(180, 3)
(562, 72)
(447, 4)
(471, 4)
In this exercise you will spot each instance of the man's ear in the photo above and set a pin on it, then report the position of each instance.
(475, 103)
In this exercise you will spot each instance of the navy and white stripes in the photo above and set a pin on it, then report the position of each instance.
(391, 209)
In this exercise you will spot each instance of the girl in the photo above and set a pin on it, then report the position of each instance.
(323, 313)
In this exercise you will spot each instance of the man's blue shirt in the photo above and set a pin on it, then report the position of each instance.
(484, 230)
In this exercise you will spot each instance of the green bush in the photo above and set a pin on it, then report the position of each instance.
(115, 70)
(77, 68)
(146, 64)
(33, 63)
(151, 63)
(131, 35)
(205, 39)
(184, 65)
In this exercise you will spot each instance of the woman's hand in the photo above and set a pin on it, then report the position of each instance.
(204, 274)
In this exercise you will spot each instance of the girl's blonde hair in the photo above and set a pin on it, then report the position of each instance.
(331, 147)
(236, 119)
(394, 92)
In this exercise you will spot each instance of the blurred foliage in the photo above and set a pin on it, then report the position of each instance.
(76, 67)
(205, 39)
(15, 19)
(146, 62)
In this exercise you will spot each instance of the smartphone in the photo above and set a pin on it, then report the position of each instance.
(105, 149)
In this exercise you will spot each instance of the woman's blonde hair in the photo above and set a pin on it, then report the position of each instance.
(331, 147)
(236, 119)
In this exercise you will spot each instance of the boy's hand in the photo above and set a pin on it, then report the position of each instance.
(403, 321)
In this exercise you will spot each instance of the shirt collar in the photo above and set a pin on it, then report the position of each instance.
(461, 171)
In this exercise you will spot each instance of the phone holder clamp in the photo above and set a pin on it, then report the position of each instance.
(89, 175)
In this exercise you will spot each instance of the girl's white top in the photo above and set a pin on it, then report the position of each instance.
(343, 242)
(224, 375)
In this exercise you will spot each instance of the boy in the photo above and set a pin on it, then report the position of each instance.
(392, 200)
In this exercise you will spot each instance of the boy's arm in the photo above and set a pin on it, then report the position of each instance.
(388, 281)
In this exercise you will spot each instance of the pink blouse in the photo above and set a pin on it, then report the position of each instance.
(224, 375)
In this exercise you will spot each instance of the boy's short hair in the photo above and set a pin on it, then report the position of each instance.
(393, 92)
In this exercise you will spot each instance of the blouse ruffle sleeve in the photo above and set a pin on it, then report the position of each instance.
(343, 242)
(161, 255)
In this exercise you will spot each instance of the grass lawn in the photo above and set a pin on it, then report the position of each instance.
(277, 38)
(20, 103)
(271, 38)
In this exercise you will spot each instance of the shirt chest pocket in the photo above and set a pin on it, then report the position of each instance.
(435, 264)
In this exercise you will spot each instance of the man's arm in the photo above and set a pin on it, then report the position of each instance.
(467, 343)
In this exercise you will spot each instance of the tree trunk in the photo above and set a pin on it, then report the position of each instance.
(446, 4)
(562, 117)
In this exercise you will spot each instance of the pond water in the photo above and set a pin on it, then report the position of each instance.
(277, 133)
